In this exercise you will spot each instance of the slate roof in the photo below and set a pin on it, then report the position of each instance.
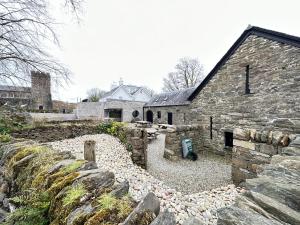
(175, 98)
(14, 88)
(131, 90)
(251, 30)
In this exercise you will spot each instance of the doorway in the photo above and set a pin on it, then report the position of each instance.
(149, 116)
(170, 118)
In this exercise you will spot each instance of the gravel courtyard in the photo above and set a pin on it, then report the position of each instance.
(112, 155)
(208, 172)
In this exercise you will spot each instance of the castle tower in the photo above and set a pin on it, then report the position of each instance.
(41, 90)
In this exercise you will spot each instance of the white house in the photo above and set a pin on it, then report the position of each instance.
(122, 103)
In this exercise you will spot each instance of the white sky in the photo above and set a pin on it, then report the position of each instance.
(142, 40)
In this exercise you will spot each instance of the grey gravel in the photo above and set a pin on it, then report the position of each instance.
(111, 155)
(208, 172)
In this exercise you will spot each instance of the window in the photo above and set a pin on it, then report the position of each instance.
(247, 85)
(135, 113)
(228, 136)
(170, 118)
(210, 127)
(158, 114)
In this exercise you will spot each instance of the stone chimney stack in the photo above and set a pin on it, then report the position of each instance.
(113, 85)
(121, 82)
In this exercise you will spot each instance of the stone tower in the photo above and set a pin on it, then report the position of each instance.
(41, 90)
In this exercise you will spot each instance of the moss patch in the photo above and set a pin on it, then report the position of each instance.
(74, 194)
(61, 183)
(112, 211)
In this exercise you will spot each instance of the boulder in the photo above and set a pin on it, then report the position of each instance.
(164, 218)
(192, 221)
(235, 216)
(150, 205)
(120, 190)
(80, 213)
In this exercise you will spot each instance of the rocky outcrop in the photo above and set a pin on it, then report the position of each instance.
(41, 186)
(273, 197)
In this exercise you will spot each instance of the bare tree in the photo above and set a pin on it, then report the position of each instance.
(95, 94)
(25, 28)
(188, 73)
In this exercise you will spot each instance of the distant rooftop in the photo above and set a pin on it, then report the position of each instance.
(14, 88)
(171, 98)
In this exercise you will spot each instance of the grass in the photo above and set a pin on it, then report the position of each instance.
(74, 194)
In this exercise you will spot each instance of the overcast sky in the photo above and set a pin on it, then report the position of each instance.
(142, 40)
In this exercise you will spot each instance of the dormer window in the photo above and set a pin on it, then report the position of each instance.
(247, 83)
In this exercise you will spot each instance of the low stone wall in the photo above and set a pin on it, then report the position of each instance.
(271, 198)
(51, 187)
(252, 148)
(53, 116)
(174, 137)
(137, 143)
(56, 131)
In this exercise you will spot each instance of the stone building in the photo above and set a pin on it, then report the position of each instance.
(123, 103)
(168, 108)
(38, 96)
(255, 85)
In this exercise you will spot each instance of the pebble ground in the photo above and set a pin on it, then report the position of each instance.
(112, 155)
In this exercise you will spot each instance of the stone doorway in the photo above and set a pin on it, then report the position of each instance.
(149, 116)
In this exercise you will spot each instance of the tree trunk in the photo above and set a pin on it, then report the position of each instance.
(89, 150)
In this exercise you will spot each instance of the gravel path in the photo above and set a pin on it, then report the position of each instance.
(208, 172)
(112, 155)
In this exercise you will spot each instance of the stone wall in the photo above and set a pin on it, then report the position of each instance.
(52, 116)
(174, 136)
(271, 198)
(178, 112)
(253, 148)
(56, 131)
(274, 100)
(137, 143)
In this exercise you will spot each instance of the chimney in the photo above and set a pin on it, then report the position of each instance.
(121, 82)
(113, 85)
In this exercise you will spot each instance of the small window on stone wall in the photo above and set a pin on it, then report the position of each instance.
(210, 127)
(247, 86)
(135, 113)
(228, 136)
(158, 114)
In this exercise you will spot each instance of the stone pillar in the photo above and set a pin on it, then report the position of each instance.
(89, 150)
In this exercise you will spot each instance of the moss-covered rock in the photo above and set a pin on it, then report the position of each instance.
(49, 187)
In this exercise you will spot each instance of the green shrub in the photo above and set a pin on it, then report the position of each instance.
(113, 128)
(5, 138)
(33, 208)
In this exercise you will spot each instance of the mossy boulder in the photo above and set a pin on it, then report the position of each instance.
(49, 187)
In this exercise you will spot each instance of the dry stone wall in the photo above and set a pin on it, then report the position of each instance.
(253, 148)
(273, 197)
(137, 143)
(56, 131)
(174, 137)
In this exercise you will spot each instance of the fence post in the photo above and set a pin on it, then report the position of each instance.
(89, 150)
